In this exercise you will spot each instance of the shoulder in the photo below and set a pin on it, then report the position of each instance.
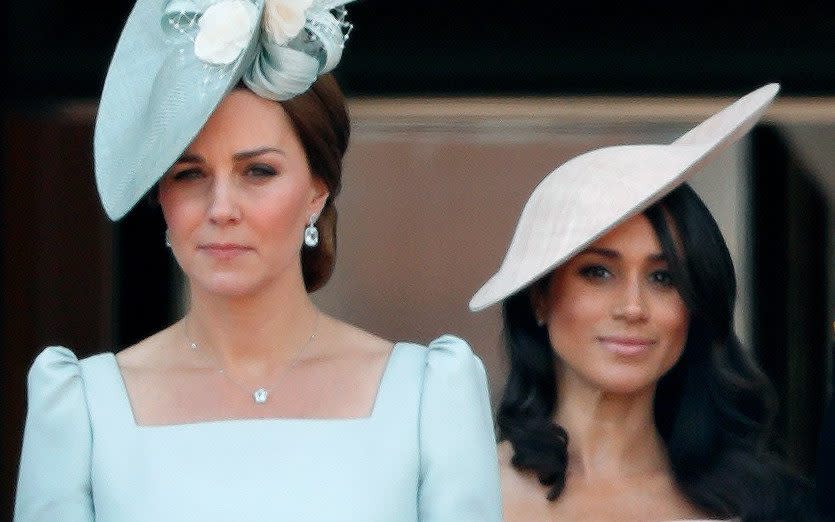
(516, 485)
(454, 380)
(451, 346)
(445, 359)
(451, 364)
(53, 364)
(512, 481)
(54, 356)
(347, 339)
(456, 434)
(56, 394)
(523, 497)
(58, 366)
(60, 384)
(151, 352)
(452, 354)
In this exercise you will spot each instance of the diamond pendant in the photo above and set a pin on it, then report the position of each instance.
(311, 236)
(260, 396)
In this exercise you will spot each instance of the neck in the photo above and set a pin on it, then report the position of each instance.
(255, 333)
(611, 435)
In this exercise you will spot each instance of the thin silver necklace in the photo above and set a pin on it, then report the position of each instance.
(261, 394)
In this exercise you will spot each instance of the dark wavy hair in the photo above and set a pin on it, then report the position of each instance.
(713, 408)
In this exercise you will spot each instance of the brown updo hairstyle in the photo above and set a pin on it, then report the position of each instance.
(321, 122)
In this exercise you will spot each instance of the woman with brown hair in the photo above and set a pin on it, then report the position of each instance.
(256, 405)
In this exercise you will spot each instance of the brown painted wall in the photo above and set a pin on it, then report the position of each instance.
(56, 255)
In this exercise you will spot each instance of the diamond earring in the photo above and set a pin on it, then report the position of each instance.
(167, 238)
(311, 234)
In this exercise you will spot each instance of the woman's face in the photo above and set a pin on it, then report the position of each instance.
(237, 201)
(613, 315)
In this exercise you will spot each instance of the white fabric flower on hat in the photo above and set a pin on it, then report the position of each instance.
(283, 19)
(225, 30)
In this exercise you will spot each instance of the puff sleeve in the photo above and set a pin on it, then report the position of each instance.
(54, 480)
(459, 477)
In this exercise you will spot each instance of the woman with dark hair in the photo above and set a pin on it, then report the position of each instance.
(255, 405)
(629, 396)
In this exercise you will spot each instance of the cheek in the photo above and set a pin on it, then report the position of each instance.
(673, 321)
(572, 320)
(177, 209)
(576, 305)
(280, 214)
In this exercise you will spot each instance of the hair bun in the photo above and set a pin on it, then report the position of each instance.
(288, 63)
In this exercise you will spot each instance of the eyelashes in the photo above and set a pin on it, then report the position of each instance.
(663, 278)
(595, 272)
(257, 170)
(598, 273)
(262, 170)
(185, 174)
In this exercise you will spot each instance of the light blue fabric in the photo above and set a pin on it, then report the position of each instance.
(158, 93)
(426, 453)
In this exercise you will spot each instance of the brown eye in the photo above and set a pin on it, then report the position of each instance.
(186, 174)
(595, 272)
(663, 278)
(262, 171)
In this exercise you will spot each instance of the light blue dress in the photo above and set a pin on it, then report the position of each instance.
(426, 453)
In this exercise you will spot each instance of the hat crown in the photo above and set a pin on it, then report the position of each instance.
(170, 71)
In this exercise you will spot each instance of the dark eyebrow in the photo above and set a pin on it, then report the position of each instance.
(238, 156)
(189, 158)
(605, 252)
(614, 254)
(256, 152)
(660, 257)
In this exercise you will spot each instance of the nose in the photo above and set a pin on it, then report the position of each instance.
(631, 305)
(223, 204)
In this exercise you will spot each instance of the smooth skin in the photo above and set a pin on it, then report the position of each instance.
(236, 204)
(617, 324)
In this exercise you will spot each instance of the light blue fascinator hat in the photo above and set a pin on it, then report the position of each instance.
(177, 59)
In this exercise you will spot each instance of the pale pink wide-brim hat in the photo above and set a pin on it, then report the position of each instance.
(590, 194)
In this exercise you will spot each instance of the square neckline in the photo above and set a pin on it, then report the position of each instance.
(128, 406)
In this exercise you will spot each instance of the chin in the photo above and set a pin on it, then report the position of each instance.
(626, 381)
(229, 285)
